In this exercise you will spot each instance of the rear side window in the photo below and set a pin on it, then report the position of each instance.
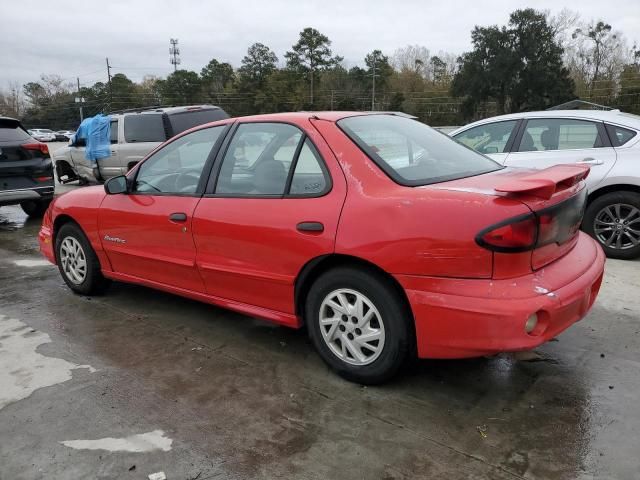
(309, 177)
(488, 138)
(618, 135)
(10, 130)
(114, 131)
(144, 128)
(412, 153)
(185, 120)
(560, 134)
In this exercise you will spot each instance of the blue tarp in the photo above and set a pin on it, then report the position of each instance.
(96, 131)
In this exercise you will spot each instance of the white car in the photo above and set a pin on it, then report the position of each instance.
(607, 141)
(43, 134)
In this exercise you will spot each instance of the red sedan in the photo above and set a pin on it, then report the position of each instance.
(384, 237)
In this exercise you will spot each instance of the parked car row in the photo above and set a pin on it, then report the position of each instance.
(47, 135)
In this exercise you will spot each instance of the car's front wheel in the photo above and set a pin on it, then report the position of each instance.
(77, 261)
(359, 324)
(614, 221)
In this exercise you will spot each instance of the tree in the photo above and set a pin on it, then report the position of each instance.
(519, 66)
(310, 55)
(257, 65)
(182, 87)
(216, 76)
(378, 73)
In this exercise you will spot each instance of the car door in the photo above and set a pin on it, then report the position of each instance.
(273, 206)
(544, 142)
(492, 139)
(142, 132)
(147, 232)
(110, 166)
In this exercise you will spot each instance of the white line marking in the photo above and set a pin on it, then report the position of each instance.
(143, 442)
(33, 263)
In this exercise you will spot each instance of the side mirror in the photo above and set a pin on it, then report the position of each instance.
(116, 185)
(491, 150)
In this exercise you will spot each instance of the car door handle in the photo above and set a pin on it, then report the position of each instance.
(313, 227)
(178, 217)
(591, 161)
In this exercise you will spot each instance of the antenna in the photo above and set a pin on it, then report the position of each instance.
(174, 53)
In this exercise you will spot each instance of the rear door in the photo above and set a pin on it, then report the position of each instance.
(147, 233)
(111, 166)
(545, 142)
(273, 206)
(492, 139)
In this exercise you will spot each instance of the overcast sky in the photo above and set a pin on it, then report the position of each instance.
(72, 38)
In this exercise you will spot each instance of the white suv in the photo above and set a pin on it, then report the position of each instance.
(134, 133)
(607, 141)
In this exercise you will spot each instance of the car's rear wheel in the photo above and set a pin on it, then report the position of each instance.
(77, 261)
(359, 324)
(614, 221)
(35, 208)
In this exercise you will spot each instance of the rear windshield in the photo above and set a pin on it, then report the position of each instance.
(412, 153)
(185, 120)
(10, 130)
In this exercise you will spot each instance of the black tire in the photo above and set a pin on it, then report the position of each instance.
(93, 282)
(35, 208)
(394, 315)
(631, 199)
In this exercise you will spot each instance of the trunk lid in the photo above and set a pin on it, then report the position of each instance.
(556, 197)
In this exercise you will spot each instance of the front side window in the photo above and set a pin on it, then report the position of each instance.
(258, 159)
(412, 153)
(488, 138)
(177, 167)
(543, 134)
(144, 127)
(619, 135)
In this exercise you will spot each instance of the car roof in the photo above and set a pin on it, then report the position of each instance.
(331, 116)
(609, 116)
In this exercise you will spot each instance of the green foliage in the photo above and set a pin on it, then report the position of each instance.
(519, 67)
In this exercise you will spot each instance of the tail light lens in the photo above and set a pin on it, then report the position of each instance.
(42, 147)
(556, 224)
(515, 235)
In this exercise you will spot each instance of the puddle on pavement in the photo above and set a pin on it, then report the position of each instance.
(144, 442)
(24, 370)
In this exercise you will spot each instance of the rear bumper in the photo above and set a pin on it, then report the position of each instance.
(457, 318)
(13, 197)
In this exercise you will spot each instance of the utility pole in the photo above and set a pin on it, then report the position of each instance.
(373, 90)
(80, 100)
(174, 53)
(110, 89)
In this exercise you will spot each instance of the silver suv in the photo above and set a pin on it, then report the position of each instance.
(134, 133)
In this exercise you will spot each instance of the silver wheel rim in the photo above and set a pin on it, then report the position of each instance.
(352, 327)
(73, 260)
(617, 226)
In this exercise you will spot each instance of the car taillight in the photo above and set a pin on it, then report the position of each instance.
(556, 224)
(515, 235)
(36, 146)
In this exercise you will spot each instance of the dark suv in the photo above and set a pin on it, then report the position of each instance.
(26, 170)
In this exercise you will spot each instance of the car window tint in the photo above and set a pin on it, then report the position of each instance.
(177, 167)
(10, 130)
(412, 153)
(619, 135)
(309, 178)
(114, 131)
(559, 134)
(488, 138)
(144, 128)
(182, 121)
(258, 159)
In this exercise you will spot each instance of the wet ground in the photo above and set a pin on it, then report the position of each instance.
(137, 381)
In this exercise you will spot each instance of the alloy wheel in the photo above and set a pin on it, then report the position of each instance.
(617, 226)
(73, 260)
(351, 327)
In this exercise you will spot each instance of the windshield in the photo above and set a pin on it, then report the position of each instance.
(412, 153)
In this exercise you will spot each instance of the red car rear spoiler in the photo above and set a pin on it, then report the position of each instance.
(545, 183)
